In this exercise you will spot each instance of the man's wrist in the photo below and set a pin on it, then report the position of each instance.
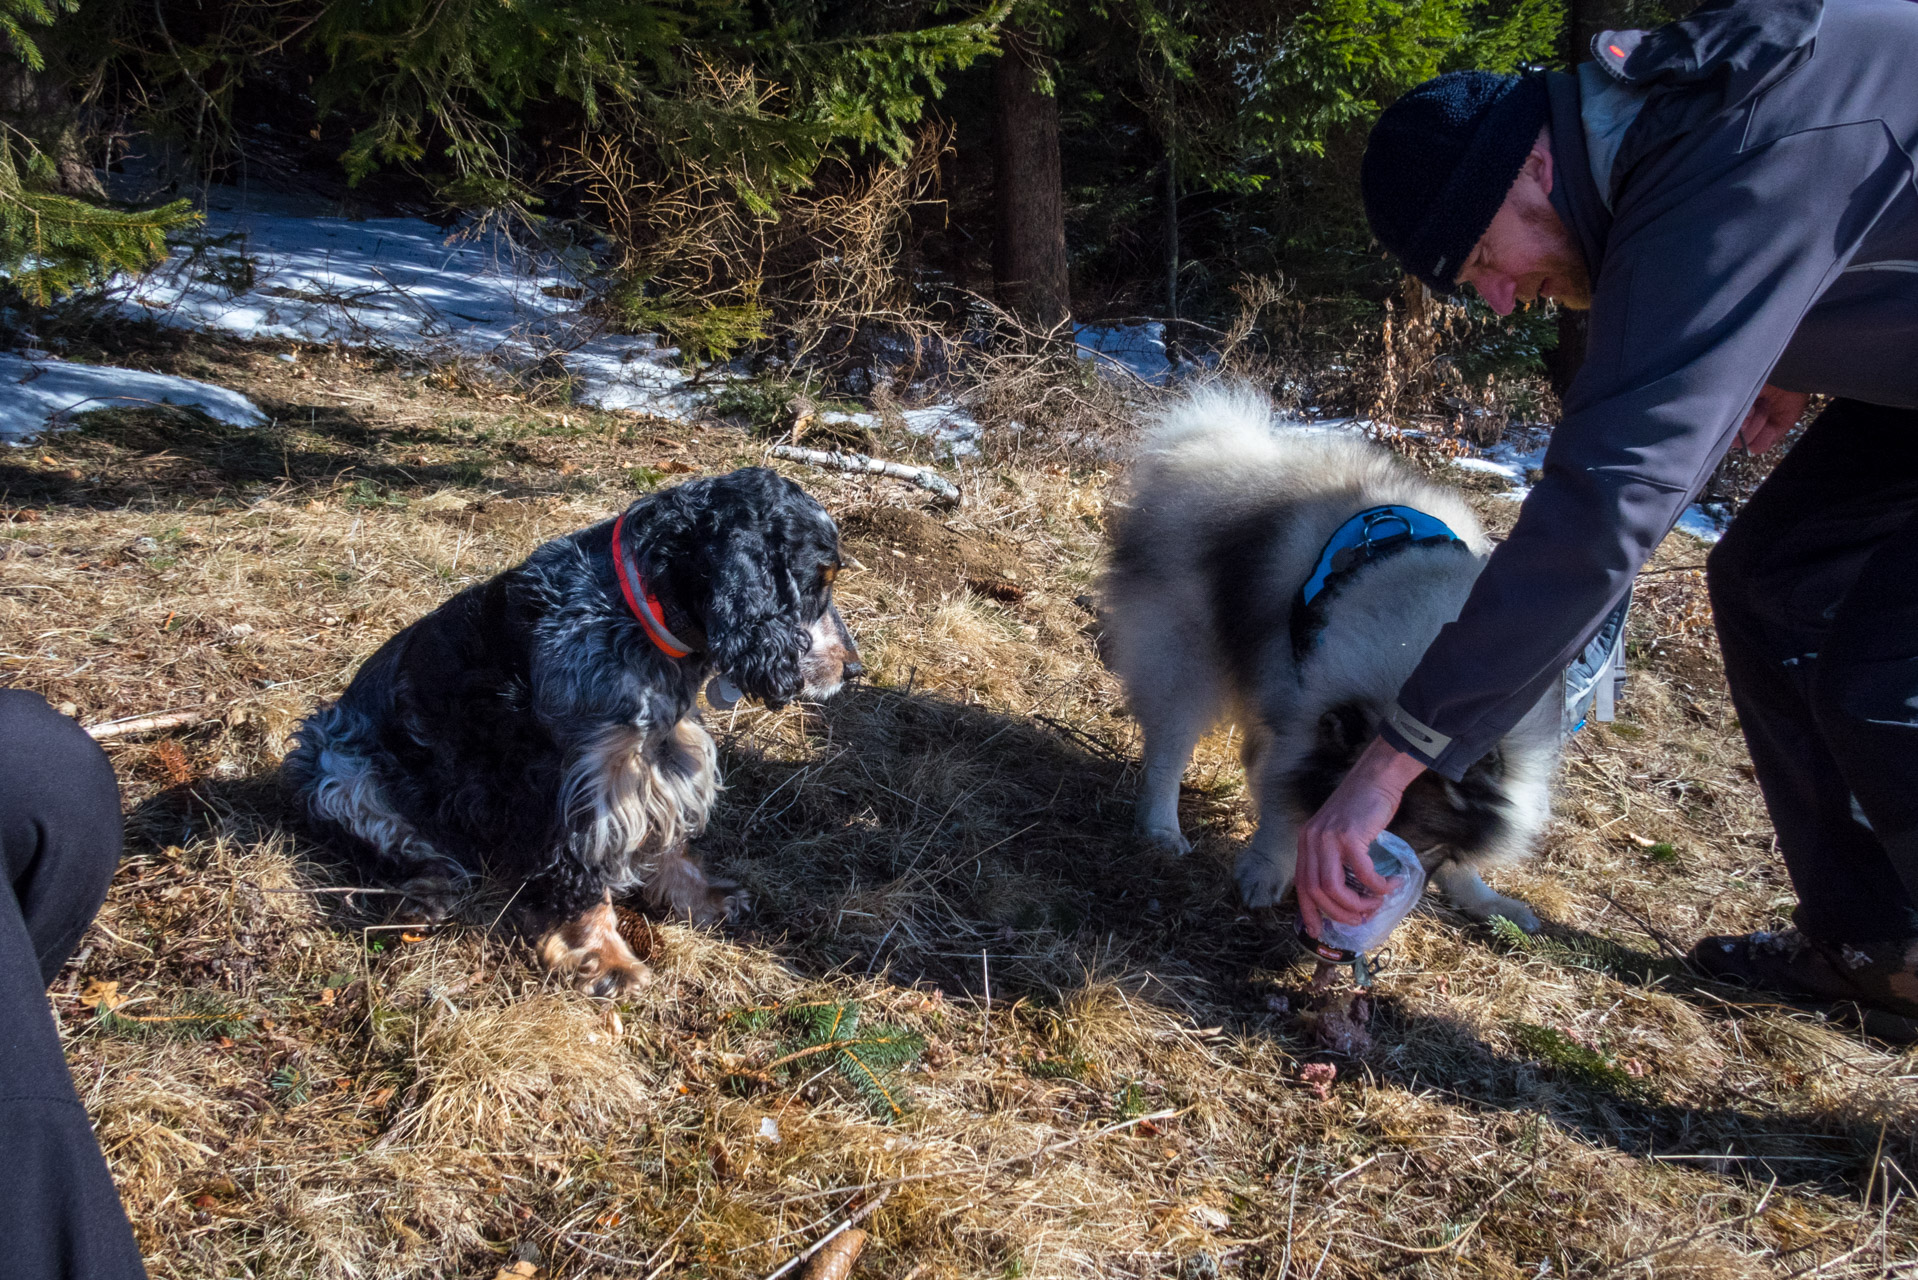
(1384, 766)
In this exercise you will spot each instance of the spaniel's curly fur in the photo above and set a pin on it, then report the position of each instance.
(530, 730)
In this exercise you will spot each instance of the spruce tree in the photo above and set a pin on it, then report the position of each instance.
(53, 242)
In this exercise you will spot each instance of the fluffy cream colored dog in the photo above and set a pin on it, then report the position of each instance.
(1227, 519)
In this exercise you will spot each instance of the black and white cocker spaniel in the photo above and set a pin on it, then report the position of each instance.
(542, 728)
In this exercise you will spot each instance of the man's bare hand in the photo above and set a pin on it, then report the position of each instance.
(1338, 835)
(1776, 412)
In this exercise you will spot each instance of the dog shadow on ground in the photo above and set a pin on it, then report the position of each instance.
(947, 844)
(912, 837)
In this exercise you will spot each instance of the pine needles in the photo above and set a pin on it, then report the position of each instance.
(1578, 1062)
(833, 1036)
(199, 1015)
(14, 35)
(52, 245)
(1586, 951)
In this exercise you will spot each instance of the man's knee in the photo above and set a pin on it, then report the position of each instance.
(56, 775)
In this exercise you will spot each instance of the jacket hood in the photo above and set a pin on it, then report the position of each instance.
(1742, 46)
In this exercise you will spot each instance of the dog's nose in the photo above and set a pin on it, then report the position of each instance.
(853, 670)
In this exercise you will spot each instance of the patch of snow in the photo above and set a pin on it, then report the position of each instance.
(947, 424)
(1310, 424)
(38, 391)
(403, 284)
(1518, 453)
(1138, 348)
(631, 371)
(844, 417)
(1705, 521)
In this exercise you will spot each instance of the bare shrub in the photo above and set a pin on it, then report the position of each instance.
(720, 248)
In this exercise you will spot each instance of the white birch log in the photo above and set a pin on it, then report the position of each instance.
(145, 724)
(834, 460)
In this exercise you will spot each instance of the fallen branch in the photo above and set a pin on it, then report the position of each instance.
(834, 460)
(1084, 739)
(145, 724)
(349, 891)
(827, 1239)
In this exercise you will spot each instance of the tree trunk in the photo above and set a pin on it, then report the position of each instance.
(1029, 229)
(1583, 20)
(1174, 335)
(40, 106)
(1171, 239)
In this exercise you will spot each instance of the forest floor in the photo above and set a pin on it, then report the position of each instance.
(1098, 1064)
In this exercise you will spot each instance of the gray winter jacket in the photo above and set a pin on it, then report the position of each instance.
(1743, 185)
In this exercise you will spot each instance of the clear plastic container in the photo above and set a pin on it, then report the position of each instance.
(722, 694)
(1391, 858)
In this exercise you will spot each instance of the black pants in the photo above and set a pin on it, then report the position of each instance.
(60, 1218)
(1815, 593)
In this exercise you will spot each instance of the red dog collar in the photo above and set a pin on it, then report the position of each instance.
(643, 603)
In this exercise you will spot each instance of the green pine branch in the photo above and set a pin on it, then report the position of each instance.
(866, 1055)
(52, 245)
(15, 14)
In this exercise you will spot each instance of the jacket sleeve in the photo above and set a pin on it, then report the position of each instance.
(1715, 256)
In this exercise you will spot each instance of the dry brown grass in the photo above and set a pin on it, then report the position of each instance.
(1112, 1084)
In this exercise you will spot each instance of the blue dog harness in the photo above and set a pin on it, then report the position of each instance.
(1367, 538)
(1370, 535)
(1592, 682)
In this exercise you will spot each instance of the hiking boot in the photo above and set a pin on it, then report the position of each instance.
(1880, 978)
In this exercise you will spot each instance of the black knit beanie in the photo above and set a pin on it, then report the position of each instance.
(1441, 160)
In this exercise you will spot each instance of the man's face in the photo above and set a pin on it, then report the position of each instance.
(1528, 252)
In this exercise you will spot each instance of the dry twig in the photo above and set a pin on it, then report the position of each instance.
(871, 1208)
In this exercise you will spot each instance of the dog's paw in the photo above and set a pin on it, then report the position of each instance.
(1512, 909)
(680, 887)
(1167, 840)
(1262, 882)
(589, 955)
(720, 902)
(430, 899)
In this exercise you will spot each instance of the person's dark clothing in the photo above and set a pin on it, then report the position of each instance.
(60, 1217)
(1815, 594)
(1748, 209)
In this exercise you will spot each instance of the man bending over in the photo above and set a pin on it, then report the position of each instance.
(1732, 196)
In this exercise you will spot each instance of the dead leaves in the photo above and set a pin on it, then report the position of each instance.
(171, 757)
(102, 995)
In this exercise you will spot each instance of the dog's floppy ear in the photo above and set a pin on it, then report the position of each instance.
(753, 633)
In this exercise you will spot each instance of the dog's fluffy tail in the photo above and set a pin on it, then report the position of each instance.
(1223, 443)
(1214, 424)
(1218, 451)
